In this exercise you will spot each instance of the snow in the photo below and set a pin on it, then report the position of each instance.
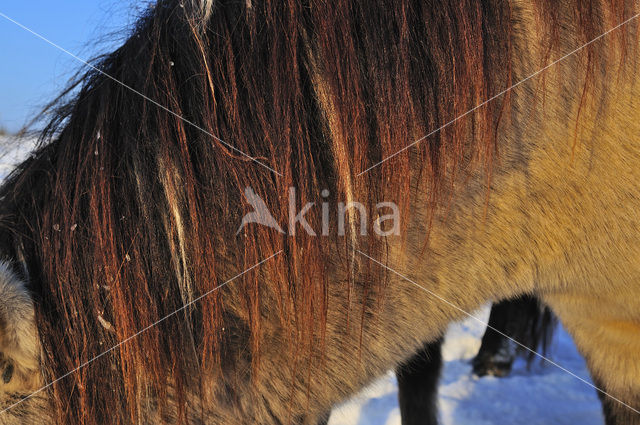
(12, 152)
(544, 395)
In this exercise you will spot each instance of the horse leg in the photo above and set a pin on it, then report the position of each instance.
(497, 353)
(418, 385)
(521, 319)
(615, 413)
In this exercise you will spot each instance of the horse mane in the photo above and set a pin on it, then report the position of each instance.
(126, 212)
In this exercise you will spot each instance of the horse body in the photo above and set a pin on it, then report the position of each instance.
(559, 221)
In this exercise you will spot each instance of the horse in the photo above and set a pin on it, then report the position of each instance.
(501, 134)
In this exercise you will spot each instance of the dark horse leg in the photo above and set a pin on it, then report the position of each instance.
(418, 385)
(521, 319)
(614, 412)
(497, 353)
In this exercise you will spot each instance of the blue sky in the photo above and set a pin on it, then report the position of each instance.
(32, 72)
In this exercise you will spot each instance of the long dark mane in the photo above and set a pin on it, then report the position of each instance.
(126, 212)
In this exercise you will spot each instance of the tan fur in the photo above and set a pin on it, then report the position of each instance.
(20, 350)
(20, 373)
(562, 221)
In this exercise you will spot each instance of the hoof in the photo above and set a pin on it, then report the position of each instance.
(491, 367)
(495, 360)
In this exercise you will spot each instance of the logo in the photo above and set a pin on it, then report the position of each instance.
(385, 223)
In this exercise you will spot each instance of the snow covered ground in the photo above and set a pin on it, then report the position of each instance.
(545, 395)
(12, 151)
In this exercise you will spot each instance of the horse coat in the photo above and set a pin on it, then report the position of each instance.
(505, 132)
